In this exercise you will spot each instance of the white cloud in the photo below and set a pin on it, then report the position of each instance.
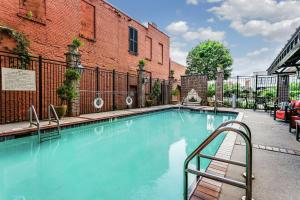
(214, 1)
(204, 34)
(278, 31)
(271, 19)
(177, 27)
(179, 55)
(257, 52)
(257, 60)
(192, 2)
(211, 20)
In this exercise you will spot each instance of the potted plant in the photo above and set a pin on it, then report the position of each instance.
(156, 91)
(149, 101)
(67, 92)
(142, 64)
(175, 94)
(76, 43)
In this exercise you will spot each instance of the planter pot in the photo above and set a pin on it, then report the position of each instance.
(61, 110)
(174, 102)
(149, 103)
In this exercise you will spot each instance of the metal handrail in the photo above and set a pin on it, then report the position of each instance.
(245, 126)
(32, 112)
(56, 119)
(197, 152)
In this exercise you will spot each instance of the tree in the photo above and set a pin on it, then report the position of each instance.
(207, 57)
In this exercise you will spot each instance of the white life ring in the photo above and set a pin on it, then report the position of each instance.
(129, 101)
(98, 103)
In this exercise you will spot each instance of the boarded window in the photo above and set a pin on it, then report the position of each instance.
(148, 48)
(33, 8)
(161, 53)
(133, 41)
(87, 20)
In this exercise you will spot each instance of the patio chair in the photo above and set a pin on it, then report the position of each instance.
(294, 116)
(260, 101)
(286, 110)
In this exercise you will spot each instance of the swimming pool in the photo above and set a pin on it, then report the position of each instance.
(134, 158)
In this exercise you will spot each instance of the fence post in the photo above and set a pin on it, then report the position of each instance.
(40, 87)
(97, 80)
(114, 92)
(127, 82)
(277, 90)
(256, 78)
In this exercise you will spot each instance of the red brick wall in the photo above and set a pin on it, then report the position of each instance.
(179, 70)
(50, 34)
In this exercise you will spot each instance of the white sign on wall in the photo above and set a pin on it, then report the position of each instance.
(18, 79)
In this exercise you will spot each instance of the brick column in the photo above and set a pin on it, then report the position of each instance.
(73, 61)
(170, 88)
(283, 88)
(219, 85)
(141, 89)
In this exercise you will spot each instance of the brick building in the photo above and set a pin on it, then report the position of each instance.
(112, 38)
(179, 70)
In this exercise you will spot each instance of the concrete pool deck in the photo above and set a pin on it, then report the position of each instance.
(276, 160)
(276, 154)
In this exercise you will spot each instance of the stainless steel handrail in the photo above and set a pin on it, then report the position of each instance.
(197, 152)
(56, 119)
(32, 112)
(245, 126)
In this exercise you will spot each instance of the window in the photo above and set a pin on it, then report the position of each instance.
(87, 21)
(133, 41)
(34, 10)
(148, 48)
(161, 54)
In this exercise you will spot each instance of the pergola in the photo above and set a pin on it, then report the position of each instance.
(288, 60)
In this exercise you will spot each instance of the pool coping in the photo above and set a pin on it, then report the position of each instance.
(207, 189)
(25, 132)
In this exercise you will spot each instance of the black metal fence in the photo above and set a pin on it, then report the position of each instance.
(252, 91)
(112, 86)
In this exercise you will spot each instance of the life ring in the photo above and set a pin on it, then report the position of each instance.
(98, 103)
(129, 101)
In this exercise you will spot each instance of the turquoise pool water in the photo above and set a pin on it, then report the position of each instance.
(136, 158)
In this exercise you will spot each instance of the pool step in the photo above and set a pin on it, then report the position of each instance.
(49, 136)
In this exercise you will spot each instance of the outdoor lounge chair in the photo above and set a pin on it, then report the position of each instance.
(286, 110)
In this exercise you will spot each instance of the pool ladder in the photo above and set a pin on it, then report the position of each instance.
(52, 117)
(246, 135)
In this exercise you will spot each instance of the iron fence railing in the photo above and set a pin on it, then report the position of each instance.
(111, 85)
(250, 90)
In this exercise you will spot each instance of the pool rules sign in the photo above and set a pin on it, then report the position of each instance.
(18, 79)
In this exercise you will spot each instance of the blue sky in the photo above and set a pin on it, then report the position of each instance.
(253, 30)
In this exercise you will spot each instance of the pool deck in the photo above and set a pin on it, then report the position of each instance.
(276, 160)
(276, 154)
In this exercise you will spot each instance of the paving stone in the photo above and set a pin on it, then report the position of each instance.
(262, 146)
(291, 151)
(269, 148)
(283, 151)
(275, 149)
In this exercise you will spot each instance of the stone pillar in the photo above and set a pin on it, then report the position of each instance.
(141, 88)
(283, 88)
(73, 61)
(170, 88)
(219, 85)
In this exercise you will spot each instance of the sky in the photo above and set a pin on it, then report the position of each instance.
(253, 30)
